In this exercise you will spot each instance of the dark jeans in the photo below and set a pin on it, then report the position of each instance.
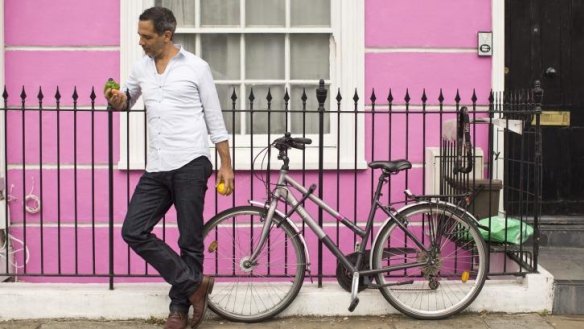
(155, 193)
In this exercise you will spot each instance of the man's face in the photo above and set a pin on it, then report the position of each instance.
(152, 42)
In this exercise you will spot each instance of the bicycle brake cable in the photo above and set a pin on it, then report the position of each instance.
(257, 175)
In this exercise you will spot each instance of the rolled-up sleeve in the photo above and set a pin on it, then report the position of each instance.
(132, 85)
(212, 107)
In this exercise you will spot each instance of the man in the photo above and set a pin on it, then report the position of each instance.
(182, 111)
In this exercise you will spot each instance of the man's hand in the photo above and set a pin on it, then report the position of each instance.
(225, 173)
(226, 176)
(116, 98)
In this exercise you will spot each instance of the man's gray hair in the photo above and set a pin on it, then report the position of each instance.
(162, 18)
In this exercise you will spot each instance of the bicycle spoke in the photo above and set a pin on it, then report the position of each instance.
(453, 262)
(253, 291)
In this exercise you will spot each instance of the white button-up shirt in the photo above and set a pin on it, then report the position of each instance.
(182, 109)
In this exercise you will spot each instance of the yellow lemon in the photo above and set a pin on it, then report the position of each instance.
(465, 276)
(212, 247)
(221, 189)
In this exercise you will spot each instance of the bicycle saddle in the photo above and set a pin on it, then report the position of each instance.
(391, 166)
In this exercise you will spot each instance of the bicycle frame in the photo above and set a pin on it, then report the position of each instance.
(281, 191)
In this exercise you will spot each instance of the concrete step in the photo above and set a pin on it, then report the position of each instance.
(562, 231)
(567, 267)
(568, 297)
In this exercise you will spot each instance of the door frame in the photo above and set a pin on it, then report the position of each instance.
(498, 59)
(498, 84)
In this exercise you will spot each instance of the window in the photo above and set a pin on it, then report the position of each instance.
(256, 45)
(283, 45)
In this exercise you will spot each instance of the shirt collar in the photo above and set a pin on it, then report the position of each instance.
(181, 51)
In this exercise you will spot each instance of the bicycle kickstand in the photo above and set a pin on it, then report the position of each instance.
(354, 291)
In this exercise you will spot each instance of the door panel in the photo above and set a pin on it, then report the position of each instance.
(545, 42)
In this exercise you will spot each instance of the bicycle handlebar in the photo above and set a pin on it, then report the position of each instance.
(287, 141)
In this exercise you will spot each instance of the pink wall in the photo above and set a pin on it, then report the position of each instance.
(91, 57)
(62, 23)
(430, 71)
(418, 30)
(47, 24)
(64, 69)
(423, 23)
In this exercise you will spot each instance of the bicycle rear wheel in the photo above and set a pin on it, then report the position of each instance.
(456, 261)
(252, 292)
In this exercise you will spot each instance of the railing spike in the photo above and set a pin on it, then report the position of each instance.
(390, 97)
(92, 96)
(373, 98)
(23, 94)
(407, 98)
(40, 95)
(356, 96)
(424, 97)
(339, 97)
(233, 95)
(441, 96)
(75, 95)
(457, 97)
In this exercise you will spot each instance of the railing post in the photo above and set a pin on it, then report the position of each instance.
(110, 163)
(538, 97)
(321, 93)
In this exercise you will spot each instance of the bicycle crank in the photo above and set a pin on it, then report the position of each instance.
(345, 277)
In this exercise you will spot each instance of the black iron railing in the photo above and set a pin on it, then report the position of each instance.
(68, 157)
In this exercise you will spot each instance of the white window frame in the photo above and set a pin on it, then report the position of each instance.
(347, 74)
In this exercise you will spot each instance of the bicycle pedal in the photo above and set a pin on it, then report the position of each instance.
(354, 304)
(310, 275)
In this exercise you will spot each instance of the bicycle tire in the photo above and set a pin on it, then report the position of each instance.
(252, 294)
(459, 269)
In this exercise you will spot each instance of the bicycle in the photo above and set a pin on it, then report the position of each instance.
(428, 259)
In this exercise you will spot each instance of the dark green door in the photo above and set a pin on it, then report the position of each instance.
(545, 41)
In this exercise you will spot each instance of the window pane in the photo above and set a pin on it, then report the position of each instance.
(311, 12)
(221, 51)
(265, 12)
(264, 56)
(306, 122)
(225, 92)
(184, 10)
(219, 12)
(277, 120)
(188, 41)
(309, 56)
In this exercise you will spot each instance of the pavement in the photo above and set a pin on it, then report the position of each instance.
(466, 321)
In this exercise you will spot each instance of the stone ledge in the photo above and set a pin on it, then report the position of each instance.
(534, 293)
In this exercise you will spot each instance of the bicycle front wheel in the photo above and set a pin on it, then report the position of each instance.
(249, 292)
(454, 257)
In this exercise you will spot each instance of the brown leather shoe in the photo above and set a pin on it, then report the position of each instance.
(176, 320)
(199, 300)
